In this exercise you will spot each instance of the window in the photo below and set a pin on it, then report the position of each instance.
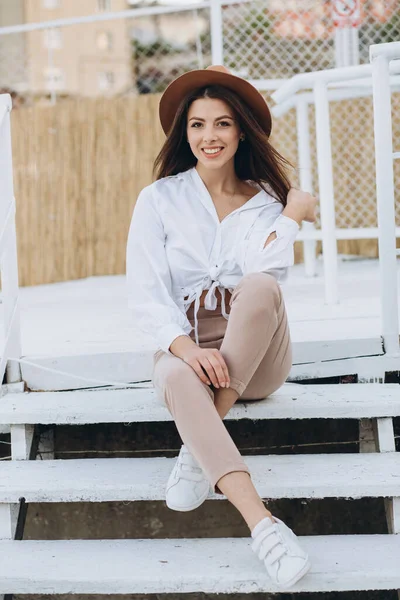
(104, 40)
(54, 78)
(103, 5)
(51, 3)
(106, 80)
(52, 38)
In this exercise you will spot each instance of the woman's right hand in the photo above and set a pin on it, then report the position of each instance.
(213, 363)
(208, 363)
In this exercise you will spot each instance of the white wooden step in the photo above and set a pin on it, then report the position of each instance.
(95, 362)
(321, 358)
(275, 476)
(219, 566)
(291, 401)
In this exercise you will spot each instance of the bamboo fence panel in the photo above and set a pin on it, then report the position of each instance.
(80, 164)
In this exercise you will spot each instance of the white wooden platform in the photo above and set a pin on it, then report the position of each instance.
(222, 565)
(85, 328)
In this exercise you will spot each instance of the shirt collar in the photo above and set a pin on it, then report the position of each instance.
(258, 200)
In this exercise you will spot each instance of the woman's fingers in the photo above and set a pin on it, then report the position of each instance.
(210, 367)
(217, 369)
(196, 365)
(224, 367)
(212, 373)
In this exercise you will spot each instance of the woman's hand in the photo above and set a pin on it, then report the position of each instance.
(210, 359)
(304, 203)
(213, 363)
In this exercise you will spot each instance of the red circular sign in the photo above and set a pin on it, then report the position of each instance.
(345, 8)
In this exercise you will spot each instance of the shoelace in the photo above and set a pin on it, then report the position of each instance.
(269, 545)
(187, 468)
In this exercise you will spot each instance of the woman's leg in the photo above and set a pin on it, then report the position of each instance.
(256, 345)
(258, 353)
(191, 404)
(201, 429)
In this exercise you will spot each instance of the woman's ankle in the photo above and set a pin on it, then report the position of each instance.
(257, 517)
(238, 487)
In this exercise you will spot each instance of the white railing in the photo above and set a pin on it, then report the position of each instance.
(8, 251)
(380, 57)
(348, 82)
(103, 17)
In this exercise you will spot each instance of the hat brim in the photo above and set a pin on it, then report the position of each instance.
(180, 87)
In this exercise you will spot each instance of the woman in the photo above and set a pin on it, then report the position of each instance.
(209, 244)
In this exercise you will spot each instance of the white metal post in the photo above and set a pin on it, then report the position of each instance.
(338, 48)
(346, 46)
(355, 42)
(50, 63)
(8, 250)
(199, 49)
(385, 202)
(217, 46)
(346, 41)
(306, 184)
(326, 191)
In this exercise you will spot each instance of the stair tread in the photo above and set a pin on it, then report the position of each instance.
(134, 479)
(291, 401)
(217, 565)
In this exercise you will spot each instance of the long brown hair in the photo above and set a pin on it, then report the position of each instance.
(255, 158)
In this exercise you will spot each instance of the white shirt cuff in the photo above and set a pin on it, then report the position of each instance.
(284, 227)
(167, 335)
(289, 223)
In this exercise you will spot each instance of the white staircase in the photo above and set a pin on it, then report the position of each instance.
(342, 563)
(144, 566)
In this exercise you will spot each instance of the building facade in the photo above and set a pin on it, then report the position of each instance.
(13, 64)
(82, 59)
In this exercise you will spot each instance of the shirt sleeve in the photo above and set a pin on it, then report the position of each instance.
(148, 276)
(278, 255)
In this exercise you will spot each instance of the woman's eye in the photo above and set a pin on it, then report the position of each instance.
(195, 124)
(224, 123)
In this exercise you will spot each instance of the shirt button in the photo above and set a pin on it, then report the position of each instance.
(214, 272)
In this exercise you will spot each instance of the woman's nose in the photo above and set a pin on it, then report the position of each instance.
(209, 135)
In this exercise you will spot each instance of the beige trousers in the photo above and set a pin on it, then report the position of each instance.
(255, 343)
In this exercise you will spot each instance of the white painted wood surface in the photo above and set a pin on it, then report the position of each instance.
(60, 326)
(275, 476)
(372, 368)
(291, 401)
(310, 359)
(339, 563)
(63, 318)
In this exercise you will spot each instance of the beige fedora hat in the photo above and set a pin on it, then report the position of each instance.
(213, 75)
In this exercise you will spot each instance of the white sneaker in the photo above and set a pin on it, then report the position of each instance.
(187, 487)
(276, 544)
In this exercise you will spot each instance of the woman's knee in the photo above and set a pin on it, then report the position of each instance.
(178, 374)
(261, 290)
(177, 381)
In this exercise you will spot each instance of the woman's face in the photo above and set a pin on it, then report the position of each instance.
(212, 132)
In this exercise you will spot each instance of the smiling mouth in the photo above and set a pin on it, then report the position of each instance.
(212, 151)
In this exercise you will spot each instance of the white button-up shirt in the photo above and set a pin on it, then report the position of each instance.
(177, 247)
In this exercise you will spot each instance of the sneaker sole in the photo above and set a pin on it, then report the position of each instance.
(298, 576)
(188, 508)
